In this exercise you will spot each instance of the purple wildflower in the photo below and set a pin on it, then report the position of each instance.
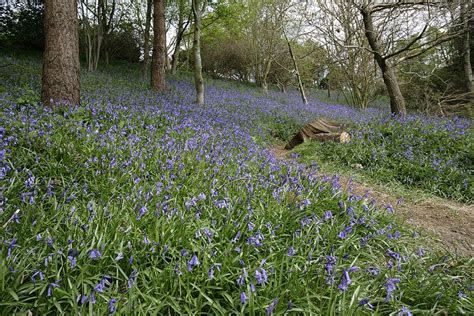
(404, 312)
(94, 254)
(291, 251)
(37, 273)
(461, 294)
(243, 298)
(103, 283)
(342, 234)
(119, 256)
(261, 276)
(365, 301)
(345, 281)
(420, 252)
(141, 212)
(330, 263)
(11, 245)
(390, 286)
(327, 215)
(272, 306)
(193, 262)
(112, 306)
(51, 287)
(236, 238)
(131, 279)
(72, 261)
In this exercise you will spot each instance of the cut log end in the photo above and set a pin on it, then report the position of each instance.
(335, 137)
(320, 130)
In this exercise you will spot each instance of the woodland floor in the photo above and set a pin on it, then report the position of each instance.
(450, 223)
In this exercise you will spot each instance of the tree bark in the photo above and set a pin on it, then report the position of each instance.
(198, 80)
(397, 102)
(61, 68)
(297, 72)
(159, 47)
(146, 46)
(179, 36)
(466, 10)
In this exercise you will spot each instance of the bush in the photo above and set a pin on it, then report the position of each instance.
(21, 27)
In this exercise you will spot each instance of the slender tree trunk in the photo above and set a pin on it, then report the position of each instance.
(98, 48)
(61, 69)
(262, 80)
(297, 72)
(198, 81)
(466, 12)
(179, 37)
(397, 102)
(146, 48)
(159, 47)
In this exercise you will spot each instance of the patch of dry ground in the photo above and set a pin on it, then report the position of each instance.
(450, 223)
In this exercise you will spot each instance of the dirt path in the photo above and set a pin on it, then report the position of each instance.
(450, 223)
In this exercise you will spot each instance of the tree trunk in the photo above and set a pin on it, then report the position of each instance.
(263, 80)
(159, 47)
(297, 72)
(397, 102)
(466, 12)
(179, 37)
(61, 69)
(198, 81)
(146, 48)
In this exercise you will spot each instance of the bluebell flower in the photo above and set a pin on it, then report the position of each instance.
(51, 286)
(272, 306)
(236, 238)
(404, 312)
(365, 301)
(11, 244)
(95, 254)
(261, 276)
(141, 212)
(131, 279)
(37, 273)
(243, 298)
(391, 286)
(345, 281)
(103, 283)
(342, 234)
(111, 305)
(72, 261)
(327, 215)
(193, 262)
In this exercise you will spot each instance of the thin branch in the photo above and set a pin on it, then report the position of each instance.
(409, 45)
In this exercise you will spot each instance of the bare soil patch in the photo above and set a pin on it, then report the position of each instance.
(450, 223)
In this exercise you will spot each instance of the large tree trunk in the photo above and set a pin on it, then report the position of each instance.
(146, 48)
(198, 81)
(466, 14)
(397, 102)
(159, 47)
(61, 69)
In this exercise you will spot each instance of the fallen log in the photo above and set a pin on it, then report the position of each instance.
(320, 130)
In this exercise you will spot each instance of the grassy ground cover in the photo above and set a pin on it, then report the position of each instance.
(143, 203)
